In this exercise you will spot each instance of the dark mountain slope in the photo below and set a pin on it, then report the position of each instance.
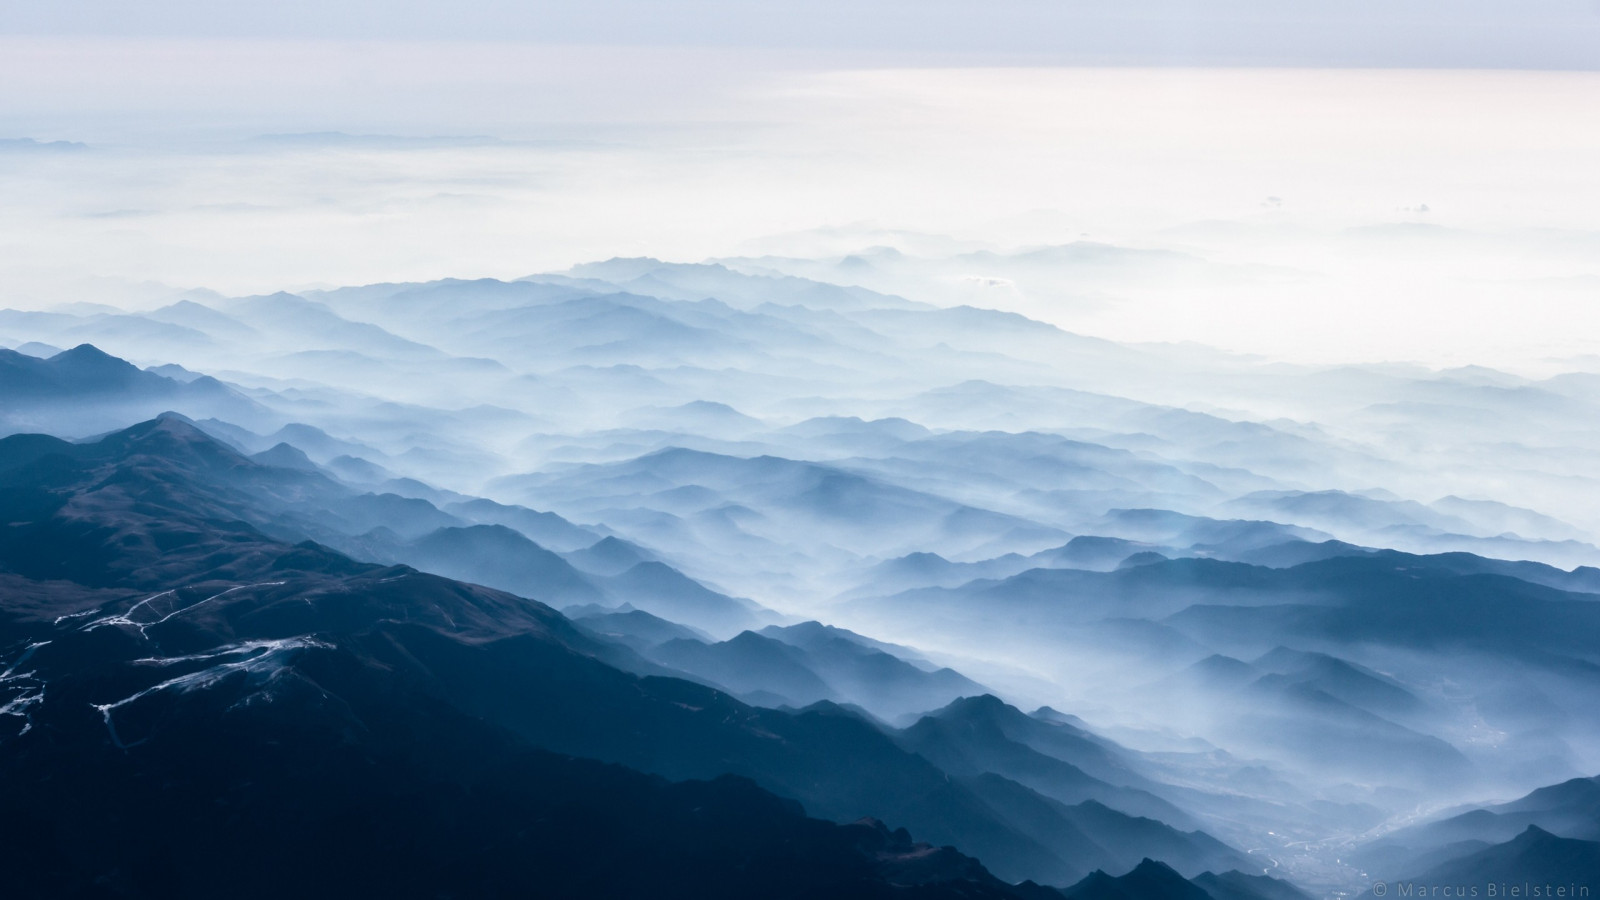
(1346, 681)
(1236, 885)
(168, 614)
(749, 665)
(305, 770)
(145, 507)
(657, 588)
(633, 627)
(166, 486)
(1570, 810)
(85, 390)
(502, 558)
(812, 634)
(1535, 857)
(1245, 610)
(797, 666)
(548, 529)
(889, 680)
(969, 737)
(1150, 880)
(1055, 737)
(798, 502)
(608, 556)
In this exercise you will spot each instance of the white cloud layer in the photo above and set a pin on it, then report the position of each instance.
(1443, 216)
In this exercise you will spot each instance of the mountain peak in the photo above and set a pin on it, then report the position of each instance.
(1142, 558)
(610, 544)
(83, 353)
(285, 456)
(172, 435)
(86, 361)
(1152, 868)
(1149, 880)
(981, 705)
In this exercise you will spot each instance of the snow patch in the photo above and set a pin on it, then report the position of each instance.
(260, 658)
(163, 606)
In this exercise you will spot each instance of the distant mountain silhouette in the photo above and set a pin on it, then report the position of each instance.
(545, 528)
(633, 627)
(608, 556)
(84, 391)
(749, 665)
(1569, 810)
(503, 558)
(1164, 539)
(1150, 880)
(983, 736)
(797, 666)
(176, 641)
(658, 588)
(1534, 857)
(285, 456)
(1236, 885)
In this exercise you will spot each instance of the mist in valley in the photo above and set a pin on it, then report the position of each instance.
(1192, 465)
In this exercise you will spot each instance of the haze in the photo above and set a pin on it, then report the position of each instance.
(404, 410)
(1440, 216)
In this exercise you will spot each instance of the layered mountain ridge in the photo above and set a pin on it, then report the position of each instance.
(863, 532)
(142, 652)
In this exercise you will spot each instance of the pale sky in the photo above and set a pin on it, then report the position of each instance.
(696, 130)
(1427, 33)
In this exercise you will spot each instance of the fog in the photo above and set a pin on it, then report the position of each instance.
(1135, 533)
(1304, 205)
(1244, 416)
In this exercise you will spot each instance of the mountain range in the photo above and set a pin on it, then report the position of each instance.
(768, 571)
(162, 635)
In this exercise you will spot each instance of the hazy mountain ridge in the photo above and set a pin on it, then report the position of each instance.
(1261, 595)
(1568, 810)
(300, 624)
(1535, 857)
(1186, 438)
(297, 503)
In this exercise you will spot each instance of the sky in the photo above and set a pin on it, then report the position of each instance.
(1424, 165)
(1430, 33)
